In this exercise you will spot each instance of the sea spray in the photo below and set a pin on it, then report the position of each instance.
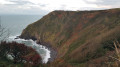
(42, 50)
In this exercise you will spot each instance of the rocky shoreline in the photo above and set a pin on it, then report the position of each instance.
(53, 52)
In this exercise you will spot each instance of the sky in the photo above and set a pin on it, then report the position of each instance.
(45, 6)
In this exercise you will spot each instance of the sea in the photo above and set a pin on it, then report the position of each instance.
(14, 25)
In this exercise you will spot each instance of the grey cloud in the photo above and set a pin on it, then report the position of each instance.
(12, 9)
(20, 2)
(43, 5)
(105, 2)
(23, 2)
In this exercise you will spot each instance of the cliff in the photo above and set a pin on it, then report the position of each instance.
(79, 37)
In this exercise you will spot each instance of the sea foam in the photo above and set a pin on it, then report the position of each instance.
(42, 50)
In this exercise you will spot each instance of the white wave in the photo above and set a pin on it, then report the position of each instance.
(45, 56)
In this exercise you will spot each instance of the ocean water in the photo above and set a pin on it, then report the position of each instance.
(15, 24)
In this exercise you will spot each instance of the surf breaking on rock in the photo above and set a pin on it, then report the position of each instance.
(42, 50)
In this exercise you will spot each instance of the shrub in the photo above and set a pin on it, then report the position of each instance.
(20, 53)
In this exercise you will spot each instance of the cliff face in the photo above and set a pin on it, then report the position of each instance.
(78, 36)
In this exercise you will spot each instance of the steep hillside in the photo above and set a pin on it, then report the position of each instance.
(79, 37)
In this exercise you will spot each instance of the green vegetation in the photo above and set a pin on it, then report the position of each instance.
(79, 37)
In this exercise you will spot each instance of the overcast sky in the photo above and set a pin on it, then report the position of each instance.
(45, 6)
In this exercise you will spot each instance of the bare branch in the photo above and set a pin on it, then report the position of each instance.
(4, 33)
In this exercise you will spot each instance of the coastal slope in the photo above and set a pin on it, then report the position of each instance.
(81, 38)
